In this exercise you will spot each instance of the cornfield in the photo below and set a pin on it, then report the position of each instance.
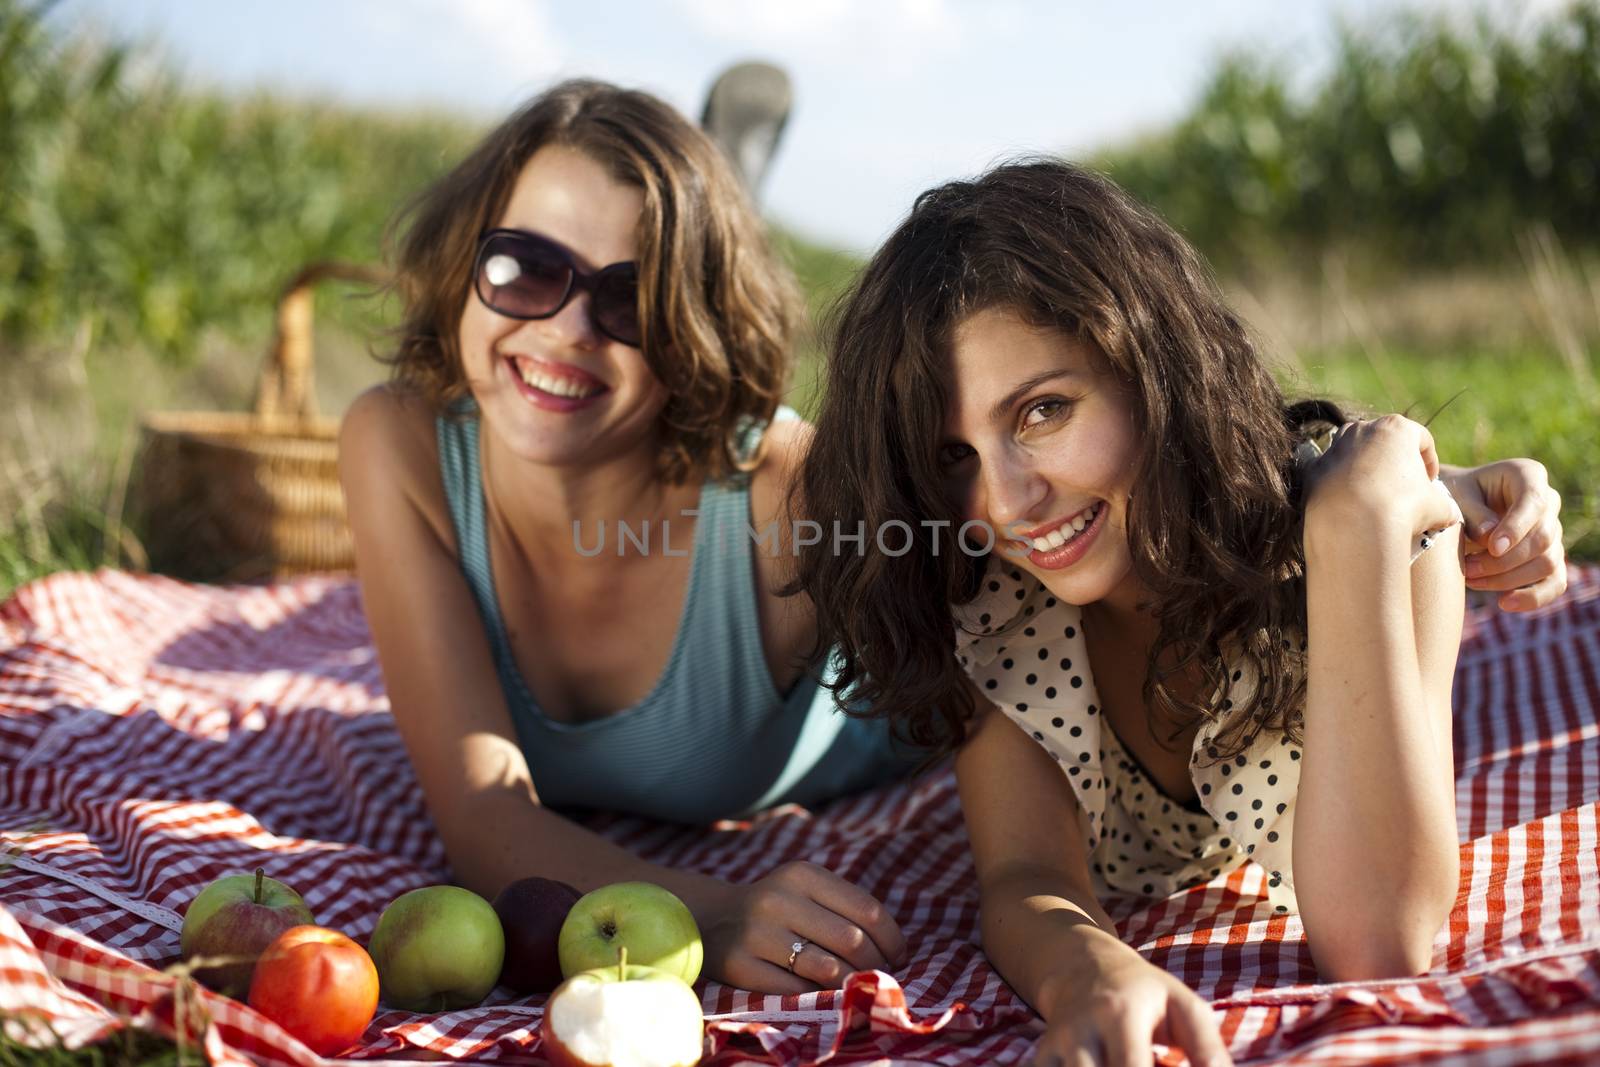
(1428, 140)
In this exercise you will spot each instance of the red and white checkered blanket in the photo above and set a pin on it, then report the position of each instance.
(155, 736)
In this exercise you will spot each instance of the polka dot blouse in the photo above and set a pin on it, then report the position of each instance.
(1025, 651)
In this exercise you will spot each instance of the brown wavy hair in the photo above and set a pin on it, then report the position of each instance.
(1215, 516)
(718, 310)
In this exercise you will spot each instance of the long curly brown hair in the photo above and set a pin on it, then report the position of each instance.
(718, 309)
(1215, 516)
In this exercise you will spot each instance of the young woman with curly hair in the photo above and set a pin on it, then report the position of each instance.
(1190, 632)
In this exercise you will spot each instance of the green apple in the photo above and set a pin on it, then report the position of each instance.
(437, 949)
(238, 917)
(654, 926)
(622, 1014)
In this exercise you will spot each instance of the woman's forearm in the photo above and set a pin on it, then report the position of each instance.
(1048, 940)
(1375, 854)
(503, 835)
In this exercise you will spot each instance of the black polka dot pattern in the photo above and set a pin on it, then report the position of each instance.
(1025, 650)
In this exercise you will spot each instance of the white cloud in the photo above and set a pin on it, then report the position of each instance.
(896, 32)
(512, 42)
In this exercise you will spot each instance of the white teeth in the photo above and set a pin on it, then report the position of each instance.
(1059, 536)
(550, 384)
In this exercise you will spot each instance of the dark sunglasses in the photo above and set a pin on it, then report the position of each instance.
(522, 275)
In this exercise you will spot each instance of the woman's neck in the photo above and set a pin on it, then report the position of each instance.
(550, 510)
(1124, 615)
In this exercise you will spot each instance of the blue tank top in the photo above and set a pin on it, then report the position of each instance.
(714, 738)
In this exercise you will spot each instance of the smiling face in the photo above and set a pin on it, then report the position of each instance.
(1040, 443)
(556, 390)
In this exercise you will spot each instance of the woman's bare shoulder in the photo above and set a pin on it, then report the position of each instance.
(388, 448)
(784, 449)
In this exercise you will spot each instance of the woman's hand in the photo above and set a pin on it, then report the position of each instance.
(1130, 1005)
(749, 938)
(1513, 527)
(1378, 472)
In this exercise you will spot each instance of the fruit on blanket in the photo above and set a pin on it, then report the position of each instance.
(655, 927)
(622, 1016)
(437, 949)
(317, 984)
(238, 916)
(531, 912)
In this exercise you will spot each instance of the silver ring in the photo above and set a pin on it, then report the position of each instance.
(795, 950)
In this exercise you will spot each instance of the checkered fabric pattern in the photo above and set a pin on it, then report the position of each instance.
(155, 736)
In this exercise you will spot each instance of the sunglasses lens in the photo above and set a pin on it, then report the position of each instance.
(616, 303)
(522, 277)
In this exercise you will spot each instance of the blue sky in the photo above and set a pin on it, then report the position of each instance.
(891, 95)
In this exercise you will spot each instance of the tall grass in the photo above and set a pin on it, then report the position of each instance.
(1431, 138)
(156, 212)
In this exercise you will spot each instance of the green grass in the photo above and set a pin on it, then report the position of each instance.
(1481, 406)
(128, 1048)
(62, 505)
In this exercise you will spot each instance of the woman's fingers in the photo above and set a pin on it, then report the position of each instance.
(859, 907)
(1430, 451)
(1127, 1040)
(1477, 516)
(1525, 486)
(1536, 595)
(1535, 545)
(1193, 1028)
(1526, 570)
(762, 976)
(813, 961)
(835, 935)
(816, 964)
(1069, 1046)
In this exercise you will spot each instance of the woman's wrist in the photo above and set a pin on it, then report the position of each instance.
(1351, 526)
(1085, 960)
(706, 897)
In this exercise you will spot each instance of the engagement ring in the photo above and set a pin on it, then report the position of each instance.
(794, 950)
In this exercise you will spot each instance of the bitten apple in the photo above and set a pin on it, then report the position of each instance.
(317, 984)
(238, 916)
(656, 928)
(531, 912)
(622, 1016)
(437, 949)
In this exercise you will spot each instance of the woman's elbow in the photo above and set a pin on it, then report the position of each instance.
(1373, 958)
(1383, 929)
(1393, 943)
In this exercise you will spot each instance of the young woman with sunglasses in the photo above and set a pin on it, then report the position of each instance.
(1186, 636)
(598, 333)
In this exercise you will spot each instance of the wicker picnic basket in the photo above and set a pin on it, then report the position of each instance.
(243, 496)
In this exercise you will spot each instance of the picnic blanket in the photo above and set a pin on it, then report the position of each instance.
(156, 735)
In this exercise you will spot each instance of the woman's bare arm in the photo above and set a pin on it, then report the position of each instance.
(1375, 852)
(1039, 918)
(448, 706)
(1043, 929)
(440, 675)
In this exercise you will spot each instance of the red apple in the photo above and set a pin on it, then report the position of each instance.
(238, 917)
(623, 1016)
(319, 985)
(531, 911)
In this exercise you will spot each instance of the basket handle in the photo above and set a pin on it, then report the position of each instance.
(284, 388)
